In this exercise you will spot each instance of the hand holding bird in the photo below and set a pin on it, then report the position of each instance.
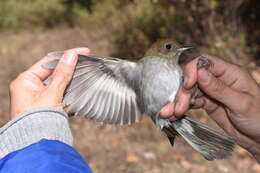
(116, 91)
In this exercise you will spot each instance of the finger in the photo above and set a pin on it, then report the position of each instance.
(215, 112)
(190, 74)
(213, 109)
(227, 72)
(218, 114)
(168, 110)
(38, 71)
(63, 73)
(219, 68)
(218, 90)
(81, 50)
(182, 102)
(43, 73)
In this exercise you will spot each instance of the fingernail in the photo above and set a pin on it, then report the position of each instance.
(204, 76)
(69, 57)
(85, 50)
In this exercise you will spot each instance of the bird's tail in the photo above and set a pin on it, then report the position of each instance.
(211, 143)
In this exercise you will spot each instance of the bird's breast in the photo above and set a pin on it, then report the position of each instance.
(160, 81)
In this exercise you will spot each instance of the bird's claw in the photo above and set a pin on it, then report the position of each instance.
(204, 62)
(195, 93)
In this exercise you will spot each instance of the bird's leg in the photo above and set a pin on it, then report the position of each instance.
(202, 62)
(161, 122)
(195, 93)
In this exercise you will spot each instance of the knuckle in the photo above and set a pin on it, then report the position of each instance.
(184, 92)
(217, 86)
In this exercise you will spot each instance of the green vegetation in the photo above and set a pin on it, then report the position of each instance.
(18, 14)
(220, 27)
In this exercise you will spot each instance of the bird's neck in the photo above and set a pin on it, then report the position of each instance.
(172, 60)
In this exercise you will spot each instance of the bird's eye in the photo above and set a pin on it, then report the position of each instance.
(168, 46)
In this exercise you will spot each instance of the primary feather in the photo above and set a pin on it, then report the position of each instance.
(98, 92)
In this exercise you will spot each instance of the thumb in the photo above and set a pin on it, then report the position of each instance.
(63, 73)
(218, 90)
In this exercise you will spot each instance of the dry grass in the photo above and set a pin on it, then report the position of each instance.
(131, 149)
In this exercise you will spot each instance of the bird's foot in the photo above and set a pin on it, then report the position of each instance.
(196, 93)
(204, 62)
(193, 97)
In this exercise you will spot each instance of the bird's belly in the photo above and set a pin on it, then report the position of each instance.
(160, 88)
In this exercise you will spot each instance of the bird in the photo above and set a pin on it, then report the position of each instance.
(118, 91)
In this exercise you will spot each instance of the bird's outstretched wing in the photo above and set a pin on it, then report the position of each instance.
(98, 90)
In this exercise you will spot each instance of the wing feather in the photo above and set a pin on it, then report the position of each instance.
(98, 90)
(109, 107)
(72, 95)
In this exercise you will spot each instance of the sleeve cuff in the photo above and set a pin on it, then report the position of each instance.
(32, 126)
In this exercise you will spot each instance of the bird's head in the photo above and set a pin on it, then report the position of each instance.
(167, 49)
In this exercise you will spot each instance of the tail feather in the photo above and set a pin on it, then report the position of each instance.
(211, 143)
(171, 134)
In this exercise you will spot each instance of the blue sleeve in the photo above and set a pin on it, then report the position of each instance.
(44, 156)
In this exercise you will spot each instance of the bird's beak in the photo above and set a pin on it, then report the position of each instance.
(183, 48)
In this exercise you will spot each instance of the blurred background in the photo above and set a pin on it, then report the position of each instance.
(29, 29)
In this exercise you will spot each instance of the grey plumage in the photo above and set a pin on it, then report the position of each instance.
(98, 91)
(116, 91)
(211, 143)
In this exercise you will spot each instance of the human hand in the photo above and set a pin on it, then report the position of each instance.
(28, 91)
(231, 98)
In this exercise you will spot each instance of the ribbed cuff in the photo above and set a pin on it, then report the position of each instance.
(32, 126)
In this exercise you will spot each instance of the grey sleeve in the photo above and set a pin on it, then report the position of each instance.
(32, 126)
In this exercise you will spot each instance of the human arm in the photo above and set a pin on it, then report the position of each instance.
(38, 106)
(37, 113)
(45, 156)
